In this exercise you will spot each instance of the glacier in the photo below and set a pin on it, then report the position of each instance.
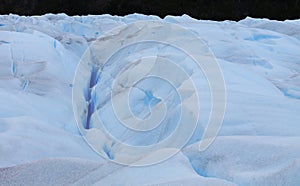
(257, 144)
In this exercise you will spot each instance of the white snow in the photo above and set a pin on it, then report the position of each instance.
(40, 144)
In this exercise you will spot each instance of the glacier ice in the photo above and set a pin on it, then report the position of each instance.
(258, 143)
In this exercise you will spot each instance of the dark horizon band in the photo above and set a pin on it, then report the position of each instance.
(199, 9)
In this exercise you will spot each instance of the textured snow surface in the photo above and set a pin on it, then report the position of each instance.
(40, 144)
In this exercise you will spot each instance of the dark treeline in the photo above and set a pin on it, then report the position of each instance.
(201, 9)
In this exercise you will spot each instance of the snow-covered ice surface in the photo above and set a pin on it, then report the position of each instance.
(40, 144)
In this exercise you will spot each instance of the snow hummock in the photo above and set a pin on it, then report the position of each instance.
(258, 143)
